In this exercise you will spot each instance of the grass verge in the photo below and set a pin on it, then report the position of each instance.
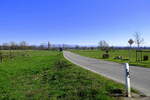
(124, 53)
(46, 75)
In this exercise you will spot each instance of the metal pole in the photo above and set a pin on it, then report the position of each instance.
(127, 80)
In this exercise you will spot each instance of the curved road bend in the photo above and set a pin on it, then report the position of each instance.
(140, 77)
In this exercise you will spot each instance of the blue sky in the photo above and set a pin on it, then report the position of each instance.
(83, 22)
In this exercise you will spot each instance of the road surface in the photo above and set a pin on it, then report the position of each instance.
(140, 77)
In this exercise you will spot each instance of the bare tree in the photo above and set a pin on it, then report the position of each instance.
(138, 39)
(104, 45)
(77, 47)
(49, 45)
(23, 45)
(13, 45)
(5, 46)
(42, 46)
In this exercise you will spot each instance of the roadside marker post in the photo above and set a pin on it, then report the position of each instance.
(127, 80)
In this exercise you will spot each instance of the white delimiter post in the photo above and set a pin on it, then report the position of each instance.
(127, 80)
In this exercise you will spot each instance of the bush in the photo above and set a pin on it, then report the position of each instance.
(105, 56)
(145, 58)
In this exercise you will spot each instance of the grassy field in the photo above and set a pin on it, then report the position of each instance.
(46, 75)
(114, 53)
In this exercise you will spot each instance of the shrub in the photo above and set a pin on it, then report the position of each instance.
(105, 56)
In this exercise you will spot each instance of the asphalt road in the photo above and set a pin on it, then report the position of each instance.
(140, 77)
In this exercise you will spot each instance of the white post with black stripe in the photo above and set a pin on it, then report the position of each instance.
(127, 80)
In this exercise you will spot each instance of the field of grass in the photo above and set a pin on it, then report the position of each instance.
(46, 75)
(114, 53)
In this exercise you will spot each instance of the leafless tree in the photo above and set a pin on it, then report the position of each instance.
(49, 45)
(13, 45)
(138, 39)
(5, 46)
(77, 47)
(23, 45)
(104, 45)
(42, 46)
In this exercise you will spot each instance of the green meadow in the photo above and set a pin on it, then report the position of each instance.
(125, 54)
(46, 75)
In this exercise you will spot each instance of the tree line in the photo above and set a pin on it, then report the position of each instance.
(23, 45)
(103, 45)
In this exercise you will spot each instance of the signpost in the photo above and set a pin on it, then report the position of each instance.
(127, 80)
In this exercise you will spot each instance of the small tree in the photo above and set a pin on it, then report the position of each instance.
(77, 47)
(42, 46)
(49, 45)
(5, 46)
(104, 46)
(23, 45)
(13, 45)
(138, 39)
